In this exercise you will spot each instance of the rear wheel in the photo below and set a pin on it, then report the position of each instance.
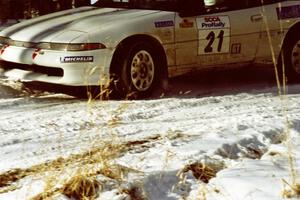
(291, 59)
(295, 56)
(139, 71)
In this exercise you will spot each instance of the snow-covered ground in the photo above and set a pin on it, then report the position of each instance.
(227, 137)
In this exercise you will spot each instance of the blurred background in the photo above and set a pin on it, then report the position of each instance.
(25, 9)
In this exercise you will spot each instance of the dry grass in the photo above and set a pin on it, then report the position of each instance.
(6, 179)
(86, 167)
(202, 192)
(203, 172)
(134, 193)
(291, 190)
(81, 187)
(82, 182)
(100, 156)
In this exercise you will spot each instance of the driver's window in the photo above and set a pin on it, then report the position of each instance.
(225, 5)
(210, 3)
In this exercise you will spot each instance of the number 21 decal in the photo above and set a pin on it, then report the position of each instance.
(211, 37)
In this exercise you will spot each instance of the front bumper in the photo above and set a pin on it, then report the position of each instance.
(72, 68)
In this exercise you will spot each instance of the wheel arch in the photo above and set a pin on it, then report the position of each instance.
(292, 30)
(284, 65)
(145, 38)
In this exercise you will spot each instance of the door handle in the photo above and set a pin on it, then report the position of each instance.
(256, 18)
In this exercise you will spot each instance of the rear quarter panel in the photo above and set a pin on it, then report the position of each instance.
(279, 18)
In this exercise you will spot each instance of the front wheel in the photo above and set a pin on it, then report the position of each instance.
(139, 72)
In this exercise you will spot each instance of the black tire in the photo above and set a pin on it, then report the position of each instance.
(290, 57)
(138, 72)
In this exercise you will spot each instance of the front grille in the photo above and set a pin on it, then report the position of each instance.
(50, 71)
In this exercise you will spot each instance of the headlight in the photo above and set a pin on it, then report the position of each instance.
(71, 47)
(52, 46)
(8, 41)
(85, 46)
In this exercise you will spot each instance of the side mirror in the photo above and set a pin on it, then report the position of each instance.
(189, 8)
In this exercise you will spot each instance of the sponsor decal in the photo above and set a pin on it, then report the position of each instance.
(213, 22)
(76, 59)
(288, 12)
(186, 24)
(162, 24)
(236, 48)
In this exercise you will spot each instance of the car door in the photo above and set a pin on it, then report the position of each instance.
(222, 34)
(229, 33)
(186, 44)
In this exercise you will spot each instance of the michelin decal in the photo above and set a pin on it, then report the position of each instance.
(76, 59)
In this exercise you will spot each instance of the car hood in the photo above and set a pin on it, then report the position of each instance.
(68, 25)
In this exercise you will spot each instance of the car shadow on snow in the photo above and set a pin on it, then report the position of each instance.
(9, 90)
(253, 80)
(16, 90)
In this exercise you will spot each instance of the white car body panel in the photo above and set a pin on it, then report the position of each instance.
(96, 73)
(190, 43)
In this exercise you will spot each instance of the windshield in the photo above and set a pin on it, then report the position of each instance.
(167, 5)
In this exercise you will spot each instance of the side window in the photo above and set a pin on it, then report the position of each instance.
(225, 5)
(228, 5)
(271, 1)
(255, 3)
(209, 3)
(234, 5)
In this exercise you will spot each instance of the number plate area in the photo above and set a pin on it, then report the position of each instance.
(213, 34)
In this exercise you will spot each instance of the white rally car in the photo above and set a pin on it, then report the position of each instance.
(138, 44)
